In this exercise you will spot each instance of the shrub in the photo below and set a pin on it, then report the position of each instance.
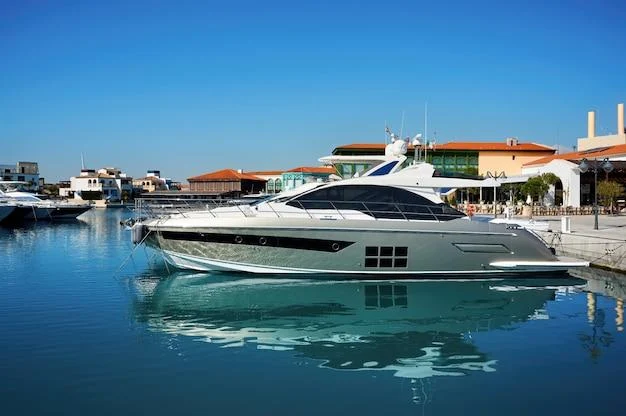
(608, 191)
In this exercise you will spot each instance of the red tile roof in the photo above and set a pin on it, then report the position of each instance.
(494, 146)
(225, 175)
(600, 152)
(471, 146)
(266, 172)
(314, 169)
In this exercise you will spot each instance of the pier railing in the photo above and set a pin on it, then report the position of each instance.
(536, 210)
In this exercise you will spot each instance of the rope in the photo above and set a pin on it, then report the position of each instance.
(615, 245)
(133, 251)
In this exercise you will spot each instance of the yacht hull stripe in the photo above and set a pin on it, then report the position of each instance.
(256, 240)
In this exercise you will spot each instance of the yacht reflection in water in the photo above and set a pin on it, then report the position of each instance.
(415, 329)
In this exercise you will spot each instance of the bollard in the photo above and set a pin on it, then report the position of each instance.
(566, 225)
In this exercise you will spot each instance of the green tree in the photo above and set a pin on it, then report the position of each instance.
(535, 187)
(511, 190)
(538, 186)
(550, 178)
(51, 189)
(126, 195)
(608, 191)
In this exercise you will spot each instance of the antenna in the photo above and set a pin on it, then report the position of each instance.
(388, 133)
(402, 125)
(426, 121)
(82, 161)
(425, 129)
(416, 145)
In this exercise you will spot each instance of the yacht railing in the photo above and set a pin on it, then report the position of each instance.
(158, 208)
(381, 210)
(161, 207)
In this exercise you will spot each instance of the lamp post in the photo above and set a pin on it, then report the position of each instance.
(584, 166)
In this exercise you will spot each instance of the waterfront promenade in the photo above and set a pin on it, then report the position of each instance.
(604, 247)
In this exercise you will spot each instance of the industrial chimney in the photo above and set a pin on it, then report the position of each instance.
(591, 124)
(620, 119)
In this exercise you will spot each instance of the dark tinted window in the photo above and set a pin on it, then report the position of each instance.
(377, 201)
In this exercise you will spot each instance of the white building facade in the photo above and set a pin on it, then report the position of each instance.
(22, 172)
(108, 184)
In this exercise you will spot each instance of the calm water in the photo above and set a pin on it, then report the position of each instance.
(79, 336)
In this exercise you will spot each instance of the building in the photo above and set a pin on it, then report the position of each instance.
(152, 182)
(592, 141)
(497, 159)
(109, 184)
(273, 178)
(226, 183)
(293, 178)
(22, 172)
(576, 188)
(473, 158)
(148, 184)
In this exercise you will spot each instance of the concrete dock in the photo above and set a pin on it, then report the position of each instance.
(604, 247)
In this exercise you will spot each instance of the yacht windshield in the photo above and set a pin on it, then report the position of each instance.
(264, 199)
(25, 198)
(287, 195)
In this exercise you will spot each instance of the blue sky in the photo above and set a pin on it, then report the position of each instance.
(191, 87)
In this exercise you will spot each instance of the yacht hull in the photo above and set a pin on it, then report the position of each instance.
(354, 248)
(6, 210)
(46, 213)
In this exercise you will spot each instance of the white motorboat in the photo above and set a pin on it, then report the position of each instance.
(387, 225)
(27, 206)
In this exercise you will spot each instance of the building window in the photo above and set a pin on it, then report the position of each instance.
(513, 157)
(278, 185)
(456, 162)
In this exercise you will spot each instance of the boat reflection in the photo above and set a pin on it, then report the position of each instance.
(415, 329)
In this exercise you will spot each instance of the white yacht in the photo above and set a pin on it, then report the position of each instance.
(389, 223)
(28, 206)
